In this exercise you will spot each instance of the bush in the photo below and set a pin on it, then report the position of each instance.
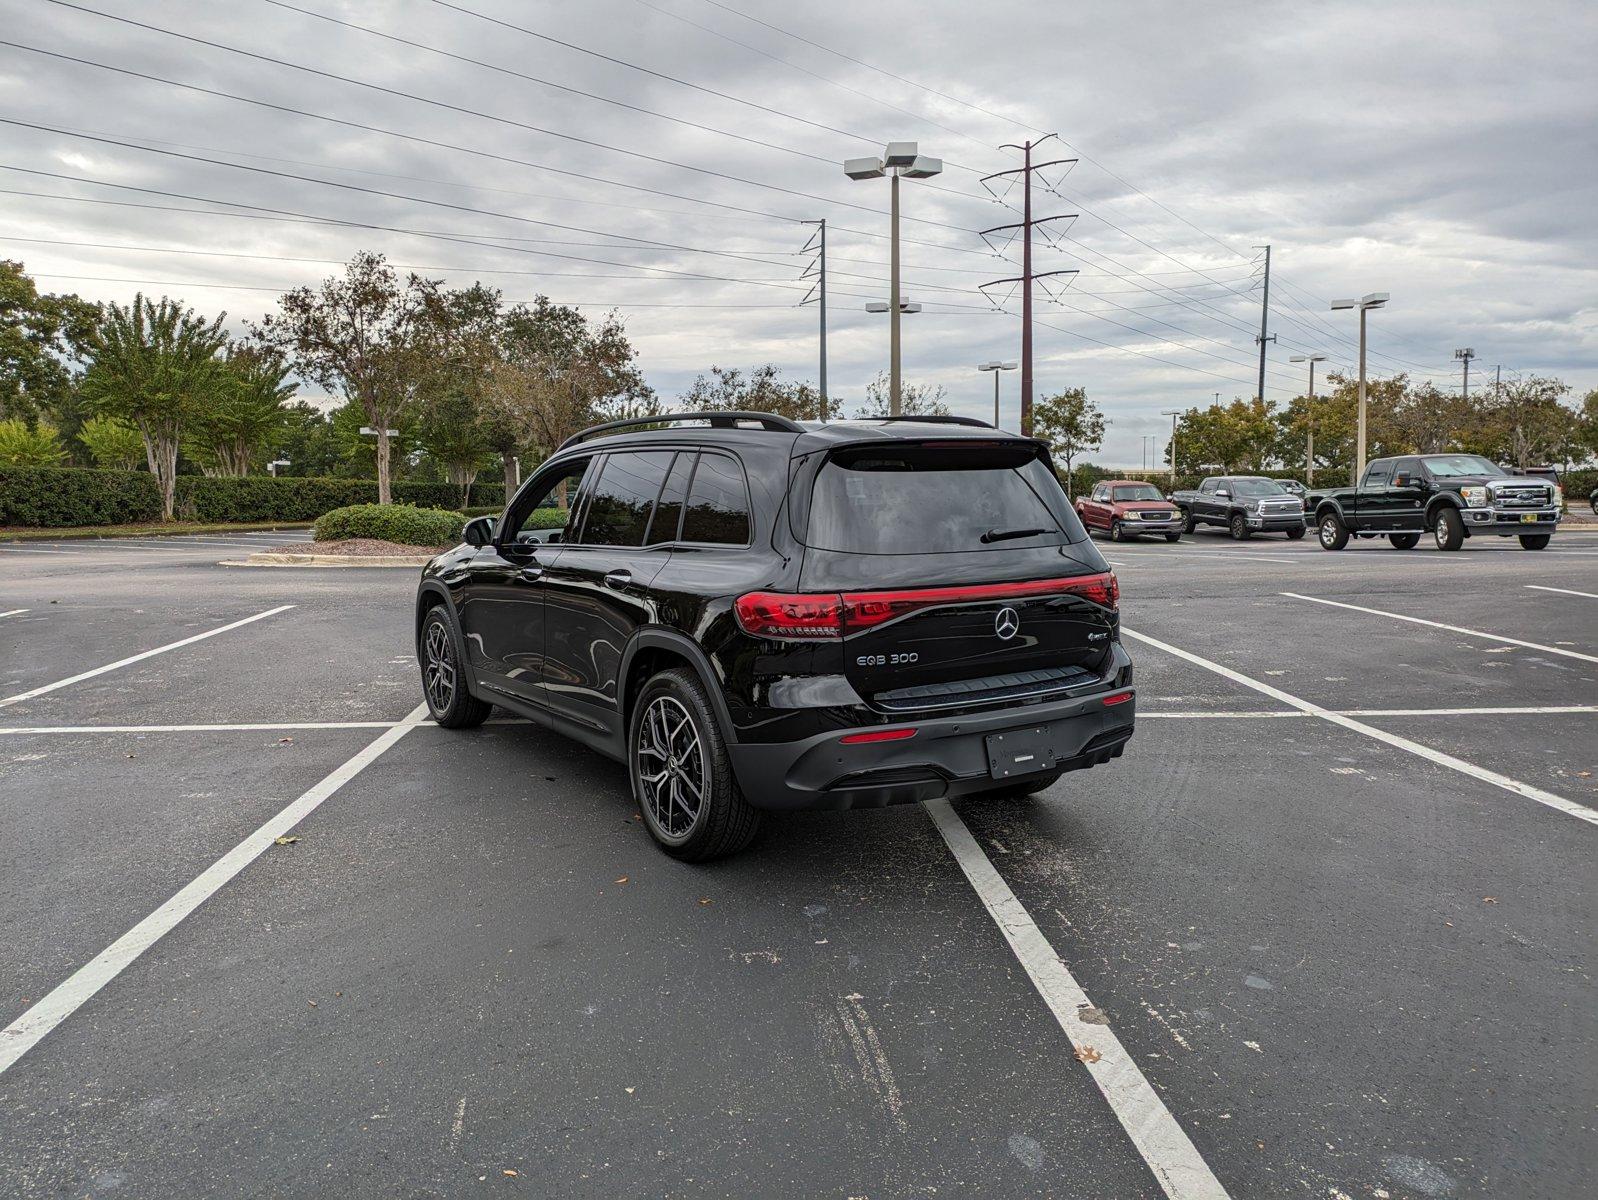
(1578, 485)
(399, 523)
(63, 496)
(547, 518)
(262, 498)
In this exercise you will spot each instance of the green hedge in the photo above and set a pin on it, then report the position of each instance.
(62, 496)
(400, 523)
(262, 498)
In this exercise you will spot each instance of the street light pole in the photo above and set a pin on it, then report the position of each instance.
(1173, 413)
(1364, 304)
(900, 158)
(996, 366)
(1309, 440)
(1465, 356)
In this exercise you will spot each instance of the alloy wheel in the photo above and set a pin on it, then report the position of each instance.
(438, 675)
(670, 762)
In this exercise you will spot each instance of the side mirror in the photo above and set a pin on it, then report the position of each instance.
(1402, 481)
(1223, 493)
(479, 531)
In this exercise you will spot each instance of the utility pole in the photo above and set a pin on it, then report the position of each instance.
(1025, 279)
(1265, 309)
(1173, 413)
(818, 243)
(1465, 356)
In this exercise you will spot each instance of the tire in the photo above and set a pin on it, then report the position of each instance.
(1404, 541)
(1535, 541)
(1187, 522)
(1296, 533)
(673, 729)
(1449, 530)
(1117, 534)
(1239, 527)
(1173, 537)
(1332, 532)
(438, 651)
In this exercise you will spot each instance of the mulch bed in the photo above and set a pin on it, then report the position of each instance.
(358, 548)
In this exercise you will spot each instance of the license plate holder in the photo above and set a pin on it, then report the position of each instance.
(1528, 518)
(1020, 751)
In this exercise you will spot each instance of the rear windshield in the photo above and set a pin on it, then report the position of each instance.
(1140, 491)
(938, 500)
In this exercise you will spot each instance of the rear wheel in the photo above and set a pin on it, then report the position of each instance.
(681, 775)
(443, 681)
(1535, 541)
(1404, 541)
(1239, 527)
(1173, 537)
(1449, 530)
(1333, 533)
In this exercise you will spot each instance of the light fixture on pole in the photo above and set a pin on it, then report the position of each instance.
(900, 158)
(906, 305)
(1465, 356)
(996, 366)
(1173, 413)
(1309, 437)
(1364, 304)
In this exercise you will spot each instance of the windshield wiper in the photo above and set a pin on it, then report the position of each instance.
(1004, 535)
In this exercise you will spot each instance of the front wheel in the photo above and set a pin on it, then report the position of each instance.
(1535, 541)
(681, 774)
(1117, 534)
(1333, 533)
(1239, 527)
(1188, 525)
(443, 680)
(1173, 537)
(1449, 530)
(1404, 541)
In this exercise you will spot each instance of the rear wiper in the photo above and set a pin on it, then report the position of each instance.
(1004, 535)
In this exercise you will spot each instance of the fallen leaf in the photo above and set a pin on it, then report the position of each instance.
(1489, 899)
(1583, 774)
(285, 741)
(621, 879)
(630, 1091)
(706, 900)
(286, 840)
(1087, 1054)
(312, 1003)
(511, 1173)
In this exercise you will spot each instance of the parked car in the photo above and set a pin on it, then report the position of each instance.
(1592, 501)
(1243, 505)
(1452, 496)
(753, 613)
(1126, 508)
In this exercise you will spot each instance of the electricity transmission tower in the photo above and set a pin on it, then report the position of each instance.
(1023, 229)
(818, 269)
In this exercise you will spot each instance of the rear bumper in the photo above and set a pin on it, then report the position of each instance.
(948, 756)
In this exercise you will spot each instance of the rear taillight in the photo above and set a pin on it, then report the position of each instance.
(1117, 698)
(812, 616)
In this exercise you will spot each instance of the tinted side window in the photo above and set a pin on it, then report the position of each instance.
(547, 515)
(718, 503)
(1208, 486)
(668, 509)
(1378, 473)
(622, 500)
(1407, 466)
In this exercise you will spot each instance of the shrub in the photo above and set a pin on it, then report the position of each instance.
(398, 523)
(24, 447)
(62, 496)
(262, 498)
(547, 518)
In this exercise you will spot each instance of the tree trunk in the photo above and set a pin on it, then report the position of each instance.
(166, 459)
(382, 462)
(510, 474)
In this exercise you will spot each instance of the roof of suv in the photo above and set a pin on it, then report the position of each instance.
(757, 429)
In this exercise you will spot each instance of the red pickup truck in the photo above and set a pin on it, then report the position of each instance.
(1127, 508)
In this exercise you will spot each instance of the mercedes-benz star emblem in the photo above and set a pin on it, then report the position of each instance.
(1006, 623)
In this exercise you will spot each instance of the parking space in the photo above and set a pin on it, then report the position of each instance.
(1345, 955)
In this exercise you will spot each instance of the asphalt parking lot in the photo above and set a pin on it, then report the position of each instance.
(1331, 918)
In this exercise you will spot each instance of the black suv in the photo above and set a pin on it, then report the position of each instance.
(754, 613)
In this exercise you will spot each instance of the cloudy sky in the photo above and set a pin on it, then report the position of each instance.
(659, 156)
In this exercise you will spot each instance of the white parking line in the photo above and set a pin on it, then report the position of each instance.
(1176, 1163)
(35, 550)
(1491, 637)
(1537, 588)
(1506, 711)
(23, 1034)
(123, 662)
(248, 727)
(11, 612)
(1568, 807)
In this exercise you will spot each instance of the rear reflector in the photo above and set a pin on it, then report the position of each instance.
(1118, 698)
(806, 616)
(877, 735)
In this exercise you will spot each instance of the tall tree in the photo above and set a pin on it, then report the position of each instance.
(452, 431)
(1525, 423)
(42, 341)
(915, 400)
(363, 333)
(113, 444)
(761, 390)
(236, 426)
(1071, 424)
(152, 366)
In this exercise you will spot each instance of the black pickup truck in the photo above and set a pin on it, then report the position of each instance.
(1451, 496)
(1241, 504)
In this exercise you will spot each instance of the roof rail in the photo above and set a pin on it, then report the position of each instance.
(951, 419)
(717, 420)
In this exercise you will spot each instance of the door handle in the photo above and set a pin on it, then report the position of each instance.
(532, 573)
(618, 579)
